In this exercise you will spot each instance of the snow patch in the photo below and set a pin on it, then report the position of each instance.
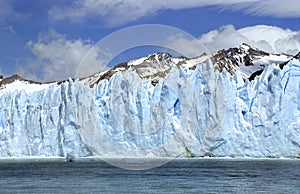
(25, 86)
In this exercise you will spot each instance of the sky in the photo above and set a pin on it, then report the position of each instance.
(48, 40)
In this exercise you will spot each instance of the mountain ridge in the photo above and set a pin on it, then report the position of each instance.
(249, 61)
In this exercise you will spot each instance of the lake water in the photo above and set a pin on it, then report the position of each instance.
(178, 176)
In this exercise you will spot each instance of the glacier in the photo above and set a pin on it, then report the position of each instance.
(191, 112)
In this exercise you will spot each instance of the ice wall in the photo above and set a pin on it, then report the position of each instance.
(193, 112)
(45, 122)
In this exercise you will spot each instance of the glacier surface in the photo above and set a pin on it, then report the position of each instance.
(191, 112)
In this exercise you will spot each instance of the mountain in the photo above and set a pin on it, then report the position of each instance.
(247, 60)
(239, 102)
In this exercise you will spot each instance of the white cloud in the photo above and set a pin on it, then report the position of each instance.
(268, 38)
(122, 11)
(57, 58)
(277, 8)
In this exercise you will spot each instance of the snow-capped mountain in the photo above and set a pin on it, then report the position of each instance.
(247, 60)
(238, 102)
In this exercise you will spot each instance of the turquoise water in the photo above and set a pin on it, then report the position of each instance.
(178, 176)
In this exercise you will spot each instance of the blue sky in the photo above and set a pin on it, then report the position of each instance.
(46, 40)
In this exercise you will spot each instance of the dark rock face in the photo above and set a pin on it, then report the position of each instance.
(233, 58)
(257, 73)
(9, 80)
(15, 77)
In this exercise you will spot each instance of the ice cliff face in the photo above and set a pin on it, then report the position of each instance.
(160, 106)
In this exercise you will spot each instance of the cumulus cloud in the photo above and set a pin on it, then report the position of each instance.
(123, 11)
(57, 58)
(268, 38)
